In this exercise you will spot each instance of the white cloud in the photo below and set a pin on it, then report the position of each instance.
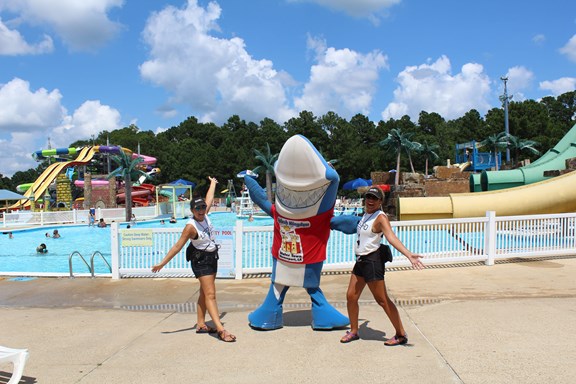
(343, 81)
(12, 43)
(25, 118)
(432, 88)
(519, 80)
(29, 117)
(82, 25)
(559, 86)
(570, 49)
(215, 77)
(371, 9)
(89, 119)
(28, 111)
(539, 39)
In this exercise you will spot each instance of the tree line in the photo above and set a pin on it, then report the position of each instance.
(193, 150)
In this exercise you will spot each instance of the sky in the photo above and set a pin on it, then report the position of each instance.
(70, 69)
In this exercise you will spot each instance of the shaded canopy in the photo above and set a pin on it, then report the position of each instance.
(5, 194)
(180, 191)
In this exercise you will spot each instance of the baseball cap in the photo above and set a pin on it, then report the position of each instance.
(376, 192)
(197, 201)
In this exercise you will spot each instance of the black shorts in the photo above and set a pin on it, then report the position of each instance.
(370, 270)
(205, 266)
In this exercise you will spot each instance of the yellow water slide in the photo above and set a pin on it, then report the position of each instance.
(37, 190)
(556, 195)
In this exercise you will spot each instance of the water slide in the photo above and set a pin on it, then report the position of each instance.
(555, 195)
(554, 159)
(38, 188)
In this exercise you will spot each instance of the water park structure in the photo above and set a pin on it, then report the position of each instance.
(63, 171)
(554, 159)
(521, 191)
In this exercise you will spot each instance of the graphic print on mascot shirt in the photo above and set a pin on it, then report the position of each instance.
(295, 238)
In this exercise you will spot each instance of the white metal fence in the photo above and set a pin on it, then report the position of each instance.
(482, 239)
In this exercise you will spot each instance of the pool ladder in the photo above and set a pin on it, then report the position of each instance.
(91, 265)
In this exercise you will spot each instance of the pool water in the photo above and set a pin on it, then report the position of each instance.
(19, 253)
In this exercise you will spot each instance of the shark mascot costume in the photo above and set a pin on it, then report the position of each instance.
(306, 187)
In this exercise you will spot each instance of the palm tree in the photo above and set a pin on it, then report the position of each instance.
(397, 141)
(128, 168)
(429, 152)
(267, 159)
(409, 147)
(496, 143)
(518, 145)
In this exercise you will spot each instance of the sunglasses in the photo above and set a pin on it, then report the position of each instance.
(200, 207)
(371, 197)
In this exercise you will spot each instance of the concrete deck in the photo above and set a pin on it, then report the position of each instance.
(510, 323)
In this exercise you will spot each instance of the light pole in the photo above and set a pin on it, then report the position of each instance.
(505, 99)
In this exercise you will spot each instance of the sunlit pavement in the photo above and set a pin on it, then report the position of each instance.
(514, 322)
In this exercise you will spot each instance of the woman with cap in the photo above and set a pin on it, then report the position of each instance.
(369, 267)
(200, 232)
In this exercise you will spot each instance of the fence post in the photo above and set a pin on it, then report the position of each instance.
(490, 237)
(239, 232)
(114, 245)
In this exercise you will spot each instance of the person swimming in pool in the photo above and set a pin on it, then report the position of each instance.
(55, 234)
(41, 248)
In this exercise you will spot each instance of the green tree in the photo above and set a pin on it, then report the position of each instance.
(518, 145)
(128, 168)
(429, 153)
(267, 159)
(397, 141)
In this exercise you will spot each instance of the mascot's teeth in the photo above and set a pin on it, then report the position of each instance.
(300, 199)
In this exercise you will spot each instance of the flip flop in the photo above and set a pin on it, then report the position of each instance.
(205, 329)
(349, 336)
(226, 336)
(396, 340)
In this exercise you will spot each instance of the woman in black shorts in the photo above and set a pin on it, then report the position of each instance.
(204, 258)
(369, 267)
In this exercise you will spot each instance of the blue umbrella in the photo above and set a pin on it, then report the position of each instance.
(246, 172)
(357, 183)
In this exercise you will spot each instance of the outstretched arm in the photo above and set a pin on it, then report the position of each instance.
(382, 225)
(258, 195)
(210, 193)
(189, 232)
(345, 223)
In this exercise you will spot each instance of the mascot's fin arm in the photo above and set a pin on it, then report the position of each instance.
(330, 196)
(258, 195)
(345, 223)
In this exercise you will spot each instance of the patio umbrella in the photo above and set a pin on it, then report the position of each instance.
(357, 183)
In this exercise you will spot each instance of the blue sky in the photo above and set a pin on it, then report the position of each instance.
(71, 69)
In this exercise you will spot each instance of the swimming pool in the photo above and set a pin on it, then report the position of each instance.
(18, 255)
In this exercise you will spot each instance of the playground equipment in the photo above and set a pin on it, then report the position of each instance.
(467, 153)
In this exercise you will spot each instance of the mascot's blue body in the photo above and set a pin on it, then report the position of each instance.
(306, 187)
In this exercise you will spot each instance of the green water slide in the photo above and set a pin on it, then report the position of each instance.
(554, 159)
